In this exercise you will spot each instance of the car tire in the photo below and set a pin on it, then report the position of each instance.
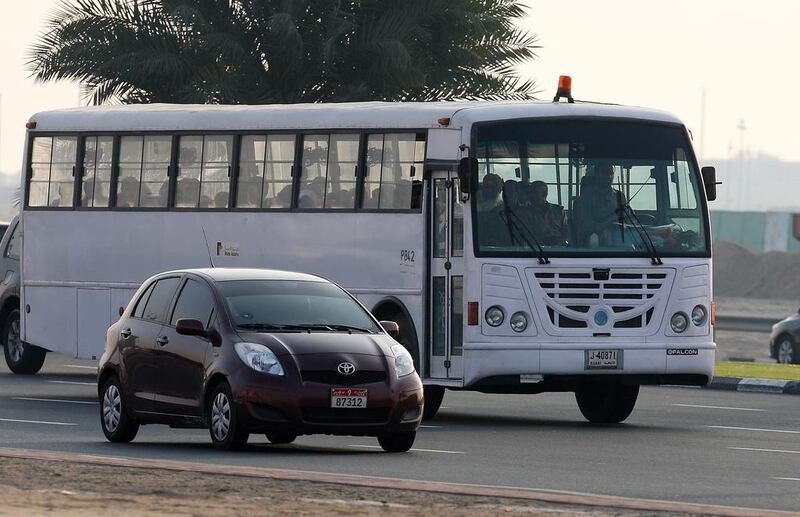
(607, 404)
(786, 350)
(433, 401)
(397, 442)
(116, 422)
(224, 423)
(21, 358)
(281, 437)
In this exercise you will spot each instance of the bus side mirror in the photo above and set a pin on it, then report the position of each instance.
(467, 172)
(710, 181)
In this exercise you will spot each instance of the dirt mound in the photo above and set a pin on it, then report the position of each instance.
(742, 273)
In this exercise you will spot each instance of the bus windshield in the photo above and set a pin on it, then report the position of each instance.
(587, 188)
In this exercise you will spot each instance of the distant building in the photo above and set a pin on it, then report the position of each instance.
(758, 231)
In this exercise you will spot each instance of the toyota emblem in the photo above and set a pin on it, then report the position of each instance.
(346, 368)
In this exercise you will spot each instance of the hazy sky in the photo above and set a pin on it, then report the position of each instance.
(649, 53)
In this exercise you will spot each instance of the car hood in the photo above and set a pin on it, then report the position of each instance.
(304, 343)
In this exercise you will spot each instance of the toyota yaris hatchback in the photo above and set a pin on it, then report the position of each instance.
(244, 351)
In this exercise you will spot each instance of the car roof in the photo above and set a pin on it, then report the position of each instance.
(223, 274)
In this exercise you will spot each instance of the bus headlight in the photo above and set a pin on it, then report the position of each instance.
(519, 322)
(699, 315)
(679, 322)
(494, 316)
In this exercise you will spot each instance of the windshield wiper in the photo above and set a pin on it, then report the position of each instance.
(512, 219)
(331, 327)
(350, 328)
(266, 326)
(625, 209)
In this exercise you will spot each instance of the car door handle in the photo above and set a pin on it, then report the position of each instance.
(125, 333)
(163, 340)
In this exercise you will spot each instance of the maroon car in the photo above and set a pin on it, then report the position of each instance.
(244, 351)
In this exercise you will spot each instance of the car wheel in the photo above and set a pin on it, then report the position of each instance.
(117, 424)
(433, 401)
(224, 423)
(21, 358)
(281, 437)
(786, 351)
(607, 404)
(397, 442)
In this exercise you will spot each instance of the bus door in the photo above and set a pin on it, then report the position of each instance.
(447, 277)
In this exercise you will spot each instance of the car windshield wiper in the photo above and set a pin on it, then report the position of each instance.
(512, 219)
(625, 210)
(350, 328)
(330, 327)
(267, 326)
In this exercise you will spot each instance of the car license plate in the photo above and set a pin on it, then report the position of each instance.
(603, 359)
(348, 398)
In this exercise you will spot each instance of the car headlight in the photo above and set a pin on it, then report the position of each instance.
(259, 358)
(494, 316)
(519, 322)
(679, 322)
(403, 362)
(699, 315)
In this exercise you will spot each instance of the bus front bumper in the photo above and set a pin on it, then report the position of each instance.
(559, 366)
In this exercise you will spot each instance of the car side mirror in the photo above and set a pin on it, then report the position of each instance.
(391, 328)
(121, 311)
(467, 172)
(189, 327)
(710, 182)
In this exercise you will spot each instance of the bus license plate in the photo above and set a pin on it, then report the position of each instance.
(603, 359)
(348, 398)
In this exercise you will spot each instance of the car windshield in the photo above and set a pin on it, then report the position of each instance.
(293, 305)
(583, 187)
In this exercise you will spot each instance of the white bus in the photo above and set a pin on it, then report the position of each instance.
(522, 247)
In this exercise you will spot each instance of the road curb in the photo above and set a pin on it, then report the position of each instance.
(755, 385)
(531, 494)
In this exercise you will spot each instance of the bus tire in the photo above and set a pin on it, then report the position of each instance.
(433, 401)
(607, 403)
(21, 358)
(115, 420)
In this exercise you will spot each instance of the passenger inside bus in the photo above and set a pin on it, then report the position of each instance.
(547, 219)
(492, 222)
(128, 192)
(597, 212)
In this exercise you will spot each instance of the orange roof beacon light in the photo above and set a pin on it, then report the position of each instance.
(30, 125)
(564, 89)
(443, 121)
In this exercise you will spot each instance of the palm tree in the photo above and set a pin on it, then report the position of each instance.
(286, 51)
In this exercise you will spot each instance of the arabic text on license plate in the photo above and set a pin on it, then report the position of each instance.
(603, 359)
(348, 398)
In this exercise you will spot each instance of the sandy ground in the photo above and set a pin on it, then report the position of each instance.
(33, 487)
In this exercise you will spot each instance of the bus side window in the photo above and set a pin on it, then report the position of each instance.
(204, 168)
(143, 171)
(52, 174)
(393, 177)
(265, 171)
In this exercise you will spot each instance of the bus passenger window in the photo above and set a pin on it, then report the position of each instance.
(143, 171)
(52, 180)
(204, 165)
(393, 178)
(265, 172)
(96, 181)
(314, 173)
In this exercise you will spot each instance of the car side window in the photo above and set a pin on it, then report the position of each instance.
(194, 302)
(14, 244)
(157, 304)
(138, 312)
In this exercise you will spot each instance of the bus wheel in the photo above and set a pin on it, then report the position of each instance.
(21, 358)
(433, 400)
(607, 404)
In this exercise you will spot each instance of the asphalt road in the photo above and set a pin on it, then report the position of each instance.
(680, 444)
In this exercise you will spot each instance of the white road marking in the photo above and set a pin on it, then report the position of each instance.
(415, 450)
(56, 400)
(431, 426)
(80, 366)
(719, 407)
(74, 382)
(763, 450)
(753, 429)
(788, 479)
(34, 422)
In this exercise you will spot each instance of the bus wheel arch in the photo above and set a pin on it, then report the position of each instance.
(21, 358)
(393, 309)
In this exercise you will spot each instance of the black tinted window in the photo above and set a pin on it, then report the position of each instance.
(159, 300)
(138, 312)
(194, 302)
